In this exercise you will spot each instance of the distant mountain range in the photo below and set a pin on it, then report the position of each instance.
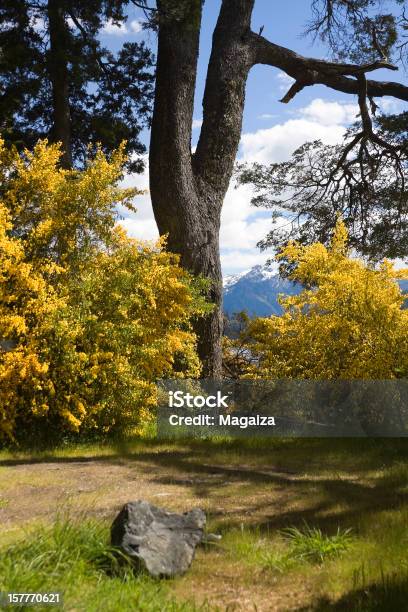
(256, 291)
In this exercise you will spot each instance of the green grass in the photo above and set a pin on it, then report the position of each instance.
(312, 545)
(4, 502)
(364, 574)
(74, 557)
(388, 594)
(289, 549)
(285, 509)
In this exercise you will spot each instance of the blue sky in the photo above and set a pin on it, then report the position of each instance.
(271, 130)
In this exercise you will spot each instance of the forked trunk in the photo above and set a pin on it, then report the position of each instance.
(182, 209)
(188, 190)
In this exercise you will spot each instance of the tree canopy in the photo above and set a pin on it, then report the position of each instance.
(58, 81)
(188, 188)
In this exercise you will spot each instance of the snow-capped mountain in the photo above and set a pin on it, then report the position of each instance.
(256, 291)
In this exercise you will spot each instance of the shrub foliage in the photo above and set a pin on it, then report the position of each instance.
(348, 322)
(89, 318)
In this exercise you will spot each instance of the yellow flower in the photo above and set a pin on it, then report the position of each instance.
(93, 317)
(348, 323)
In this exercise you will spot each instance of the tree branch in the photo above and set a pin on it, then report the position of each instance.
(377, 45)
(236, 49)
(294, 89)
(143, 6)
(309, 71)
(88, 40)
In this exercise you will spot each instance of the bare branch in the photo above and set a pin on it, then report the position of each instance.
(143, 6)
(148, 11)
(310, 71)
(377, 45)
(362, 102)
(294, 89)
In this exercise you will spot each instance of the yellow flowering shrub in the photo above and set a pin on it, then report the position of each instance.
(348, 322)
(89, 318)
(25, 299)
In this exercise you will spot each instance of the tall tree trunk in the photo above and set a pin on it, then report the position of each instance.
(188, 191)
(58, 70)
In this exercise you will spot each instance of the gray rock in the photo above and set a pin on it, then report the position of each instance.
(164, 542)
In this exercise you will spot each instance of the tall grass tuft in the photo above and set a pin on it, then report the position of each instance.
(74, 558)
(311, 544)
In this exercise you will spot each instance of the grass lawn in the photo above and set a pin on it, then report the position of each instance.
(307, 524)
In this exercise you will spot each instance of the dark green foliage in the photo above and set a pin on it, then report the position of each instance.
(361, 30)
(186, 12)
(368, 190)
(109, 95)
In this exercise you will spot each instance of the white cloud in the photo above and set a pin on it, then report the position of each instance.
(242, 226)
(122, 29)
(400, 264)
(197, 123)
(36, 22)
(142, 202)
(284, 80)
(9, 25)
(266, 116)
(330, 113)
(115, 29)
(390, 105)
(136, 26)
(277, 143)
(144, 229)
(140, 224)
(234, 262)
(243, 233)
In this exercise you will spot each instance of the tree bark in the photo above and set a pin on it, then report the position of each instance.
(188, 190)
(180, 207)
(58, 71)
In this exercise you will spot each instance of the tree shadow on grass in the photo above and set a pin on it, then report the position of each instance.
(267, 489)
(318, 453)
(389, 595)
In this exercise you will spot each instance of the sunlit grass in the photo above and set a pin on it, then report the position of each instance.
(284, 508)
(312, 545)
(289, 548)
(4, 502)
(75, 558)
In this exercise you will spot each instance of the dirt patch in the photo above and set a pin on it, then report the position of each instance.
(238, 491)
(40, 490)
(99, 487)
